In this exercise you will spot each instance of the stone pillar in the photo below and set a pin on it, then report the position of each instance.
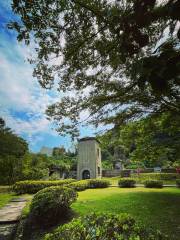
(89, 159)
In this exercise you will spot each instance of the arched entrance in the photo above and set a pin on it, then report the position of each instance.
(86, 174)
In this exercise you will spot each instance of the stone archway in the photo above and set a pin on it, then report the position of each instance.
(86, 174)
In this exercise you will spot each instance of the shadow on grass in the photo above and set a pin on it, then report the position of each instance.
(158, 210)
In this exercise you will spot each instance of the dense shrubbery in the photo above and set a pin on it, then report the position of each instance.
(97, 183)
(51, 204)
(155, 176)
(153, 184)
(89, 183)
(104, 226)
(178, 183)
(126, 182)
(79, 185)
(34, 186)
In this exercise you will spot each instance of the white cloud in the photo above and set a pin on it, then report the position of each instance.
(21, 93)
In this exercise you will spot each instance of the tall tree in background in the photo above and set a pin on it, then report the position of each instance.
(153, 141)
(117, 60)
(35, 166)
(12, 150)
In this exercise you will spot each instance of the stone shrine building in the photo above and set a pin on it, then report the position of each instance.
(89, 158)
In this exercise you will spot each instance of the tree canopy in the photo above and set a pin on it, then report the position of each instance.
(115, 60)
(153, 141)
(12, 150)
(10, 143)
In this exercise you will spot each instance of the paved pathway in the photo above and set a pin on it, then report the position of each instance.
(9, 217)
(12, 211)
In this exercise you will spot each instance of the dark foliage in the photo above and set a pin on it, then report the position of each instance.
(104, 226)
(12, 151)
(153, 184)
(126, 183)
(95, 183)
(51, 204)
(178, 183)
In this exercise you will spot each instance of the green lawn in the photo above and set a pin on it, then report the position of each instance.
(5, 198)
(157, 208)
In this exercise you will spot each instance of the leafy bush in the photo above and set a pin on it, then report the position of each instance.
(178, 183)
(98, 183)
(104, 226)
(51, 204)
(79, 185)
(31, 187)
(126, 182)
(153, 184)
(155, 176)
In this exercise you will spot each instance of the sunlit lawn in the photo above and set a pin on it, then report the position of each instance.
(157, 208)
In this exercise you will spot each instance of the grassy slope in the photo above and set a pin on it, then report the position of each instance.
(159, 208)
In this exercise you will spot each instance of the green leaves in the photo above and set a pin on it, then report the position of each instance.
(103, 226)
(111, 58)
(12, 150)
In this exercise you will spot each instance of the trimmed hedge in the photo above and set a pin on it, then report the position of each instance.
(155, 176)
(105, 226)
(51, 204)
(89, 183)
(79, 185)
(32, 187)
(98, 183)
(126, 183)
(153, 184)
(178, 183)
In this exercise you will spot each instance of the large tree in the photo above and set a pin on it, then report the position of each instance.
(153, 141)
(116, 59)
(12, 150)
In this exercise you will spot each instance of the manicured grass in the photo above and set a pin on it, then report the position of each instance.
(5, 198)
(157, 208)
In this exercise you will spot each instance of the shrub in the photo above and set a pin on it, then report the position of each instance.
(32, 187)
(155, 176)
(98, 183)
(153, 184)
(79, 185)
(104, 226)
(126, 182)
(178, 183)
(51, 204)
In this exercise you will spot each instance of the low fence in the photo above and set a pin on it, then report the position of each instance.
(111, 173)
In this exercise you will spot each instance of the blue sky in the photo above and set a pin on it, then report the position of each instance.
(22, 100)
